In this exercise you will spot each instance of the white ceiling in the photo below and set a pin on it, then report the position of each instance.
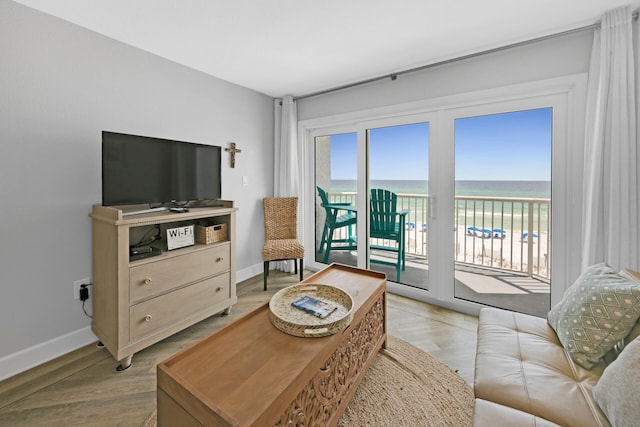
(297, 47)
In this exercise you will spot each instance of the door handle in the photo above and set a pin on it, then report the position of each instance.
(432, 207)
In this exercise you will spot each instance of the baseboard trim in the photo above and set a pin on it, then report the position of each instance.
(31, 357)
(249, 272)
(257, 270)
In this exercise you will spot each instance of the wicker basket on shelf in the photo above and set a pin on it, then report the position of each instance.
(208, 234)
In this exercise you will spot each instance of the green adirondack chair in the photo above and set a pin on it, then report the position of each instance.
(387, 224)
(337, 216)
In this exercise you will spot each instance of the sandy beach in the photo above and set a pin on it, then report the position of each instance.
(509, 252)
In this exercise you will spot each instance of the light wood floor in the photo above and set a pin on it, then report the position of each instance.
(83, 389)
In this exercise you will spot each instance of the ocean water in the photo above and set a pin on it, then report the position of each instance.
(518, 189)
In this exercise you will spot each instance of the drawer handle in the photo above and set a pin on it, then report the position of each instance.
(147, 318)
(220, 288)
(220, 259)
(147, 281)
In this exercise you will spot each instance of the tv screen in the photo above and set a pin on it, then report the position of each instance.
(160, 172)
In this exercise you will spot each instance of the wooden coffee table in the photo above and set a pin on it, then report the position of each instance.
(251, 374)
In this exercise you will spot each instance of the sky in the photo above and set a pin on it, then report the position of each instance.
(512, 146)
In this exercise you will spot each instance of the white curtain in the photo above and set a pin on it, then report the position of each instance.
(285, 166)
(612, 181)
(286, 177)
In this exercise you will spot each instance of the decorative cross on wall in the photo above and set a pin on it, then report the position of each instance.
(233, 150)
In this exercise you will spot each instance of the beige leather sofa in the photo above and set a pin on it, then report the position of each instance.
(523, 376)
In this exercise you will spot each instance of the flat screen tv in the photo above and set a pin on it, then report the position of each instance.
(158, 172)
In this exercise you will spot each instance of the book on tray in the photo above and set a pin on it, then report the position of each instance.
(314, 306)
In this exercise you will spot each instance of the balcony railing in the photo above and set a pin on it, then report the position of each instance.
(505, 233)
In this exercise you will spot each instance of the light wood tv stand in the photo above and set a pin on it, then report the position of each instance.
(138, 303)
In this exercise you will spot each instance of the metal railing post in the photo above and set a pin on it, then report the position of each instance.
(530, 240)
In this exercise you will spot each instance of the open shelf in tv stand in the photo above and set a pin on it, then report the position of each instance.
(138, 303)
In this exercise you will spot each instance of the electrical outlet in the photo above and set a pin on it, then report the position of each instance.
(76, 287)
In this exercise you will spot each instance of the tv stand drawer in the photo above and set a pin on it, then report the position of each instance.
(166, 310)
(154, 278)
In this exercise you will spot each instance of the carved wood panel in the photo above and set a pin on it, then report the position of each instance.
(319, 401)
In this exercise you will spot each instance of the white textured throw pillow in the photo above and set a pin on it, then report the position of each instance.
(618, 390)
(596, 312)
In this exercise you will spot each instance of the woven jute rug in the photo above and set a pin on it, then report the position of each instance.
(405, 387)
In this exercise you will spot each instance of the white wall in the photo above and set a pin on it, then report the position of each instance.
(561, 58)
(60, 86)
(538, 61)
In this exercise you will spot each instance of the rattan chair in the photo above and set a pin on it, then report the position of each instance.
(281, 233)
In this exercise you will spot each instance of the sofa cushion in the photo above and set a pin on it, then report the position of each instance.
(520, 363)
(635, 331)
(596, 312)
(635, 277)
(619, 387)
(492, 414)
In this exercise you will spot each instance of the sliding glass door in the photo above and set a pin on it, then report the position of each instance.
(395, 161)
(465, 193)
(335, 187)
(398, 182)
(503, 209)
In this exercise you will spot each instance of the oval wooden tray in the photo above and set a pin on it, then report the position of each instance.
(294, 321)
